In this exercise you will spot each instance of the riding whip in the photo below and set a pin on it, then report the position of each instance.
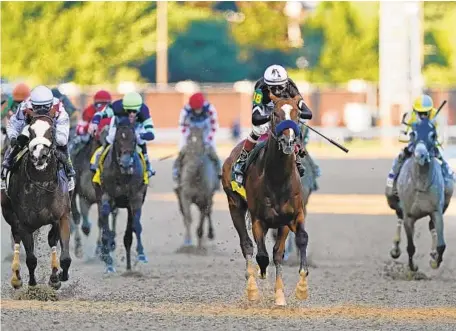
(328, 139)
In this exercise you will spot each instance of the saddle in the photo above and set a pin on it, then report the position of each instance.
(97, 177)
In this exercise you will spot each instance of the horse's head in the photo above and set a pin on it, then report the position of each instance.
(423, 138)
(284, 122)
(41, 146)
(125, 143)
(195, 140)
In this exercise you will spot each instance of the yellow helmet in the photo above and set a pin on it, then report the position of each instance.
(423, 104)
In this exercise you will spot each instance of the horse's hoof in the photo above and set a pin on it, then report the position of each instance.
(98, 250)
(63, 276)
(395, 252)
(86, 229)
(413, 268)
(110, 269)
(434, 264)
(188, 242)
(55, 285)
(142, 258)
(16, 283)
(210, 235)
(280, 298)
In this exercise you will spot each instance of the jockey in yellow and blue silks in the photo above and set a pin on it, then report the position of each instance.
(131, 103)
(423, 107)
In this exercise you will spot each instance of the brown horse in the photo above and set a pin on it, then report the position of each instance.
(274, 200)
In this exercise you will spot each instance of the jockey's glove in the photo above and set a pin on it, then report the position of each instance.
(92, 128)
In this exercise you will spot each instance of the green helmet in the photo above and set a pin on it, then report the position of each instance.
(132, 101)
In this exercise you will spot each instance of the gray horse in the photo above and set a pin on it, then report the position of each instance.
(86, 192)
(37, 195)
(123, 185)
(422, 191)
(198, 184)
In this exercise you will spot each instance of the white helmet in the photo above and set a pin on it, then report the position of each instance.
(42, 99)
(275, 75)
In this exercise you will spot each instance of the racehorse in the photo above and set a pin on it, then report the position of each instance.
(308, 182)
(86, 192)
(37, 195)
(124, 184)
(198, 184)
(274, 199)
(421, 191)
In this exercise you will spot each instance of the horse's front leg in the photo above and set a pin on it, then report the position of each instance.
(31, 260)
(187, 215)
(137, 228)
(85, 207)
(106, 236)
(262, 257)
(438, 241)
(53, 239)
(409, 225)
(238, 212)
(279, 249)
(396, 250)
(302, 239)
(65, 258)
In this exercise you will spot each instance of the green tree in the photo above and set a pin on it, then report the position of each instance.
(206, 53)
(339, 45)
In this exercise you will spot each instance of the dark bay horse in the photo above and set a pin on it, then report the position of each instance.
(37, 195)
(274, 200)
(86, 192)
(198, 184)
(421, 191)
(123, 185)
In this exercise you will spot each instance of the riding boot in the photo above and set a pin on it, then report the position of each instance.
(64, 157)
(238, 167)
(150, 172)
(10, 154)
(447, 172)
(177, 165)
(210, 151)
(395, 169)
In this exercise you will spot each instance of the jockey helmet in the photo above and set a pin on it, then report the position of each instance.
(276, 78)
(21, 92)
(423, 105)
(102, 96)
(42, 99)
(132, 101)
(101, 99)
(196, 101)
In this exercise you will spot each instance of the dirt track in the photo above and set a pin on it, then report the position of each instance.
(353, 284)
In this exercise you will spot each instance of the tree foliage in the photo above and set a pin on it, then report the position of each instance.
(98, 42)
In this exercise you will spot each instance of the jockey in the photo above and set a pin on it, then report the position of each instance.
(132, 103)
(197, 112)
(20, 92)
(423, 107)
(101, 100)
(41, 101)
(276, 81)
